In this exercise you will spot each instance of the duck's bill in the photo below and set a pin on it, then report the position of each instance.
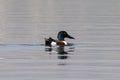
(70, 37)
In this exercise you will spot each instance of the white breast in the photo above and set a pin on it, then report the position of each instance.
(65, 42)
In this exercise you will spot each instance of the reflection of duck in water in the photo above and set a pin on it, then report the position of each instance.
(61, 39)
(62, 54)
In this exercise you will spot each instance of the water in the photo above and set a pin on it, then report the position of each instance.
(94, 24)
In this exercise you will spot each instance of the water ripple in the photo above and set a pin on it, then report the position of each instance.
(21, 44)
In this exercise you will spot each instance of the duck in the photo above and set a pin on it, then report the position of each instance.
(60, 39)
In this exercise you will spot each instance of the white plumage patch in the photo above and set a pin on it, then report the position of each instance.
(53, 43)
(65, 42)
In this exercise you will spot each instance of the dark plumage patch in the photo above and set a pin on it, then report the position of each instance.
(48, 41)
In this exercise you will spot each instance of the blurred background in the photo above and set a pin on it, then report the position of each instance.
(30, 21)
(95, 24)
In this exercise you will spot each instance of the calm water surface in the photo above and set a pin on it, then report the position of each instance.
(95, 24)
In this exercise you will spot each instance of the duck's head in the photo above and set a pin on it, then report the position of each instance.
(63, 34)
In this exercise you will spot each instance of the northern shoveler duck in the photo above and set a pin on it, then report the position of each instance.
(61, 39)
